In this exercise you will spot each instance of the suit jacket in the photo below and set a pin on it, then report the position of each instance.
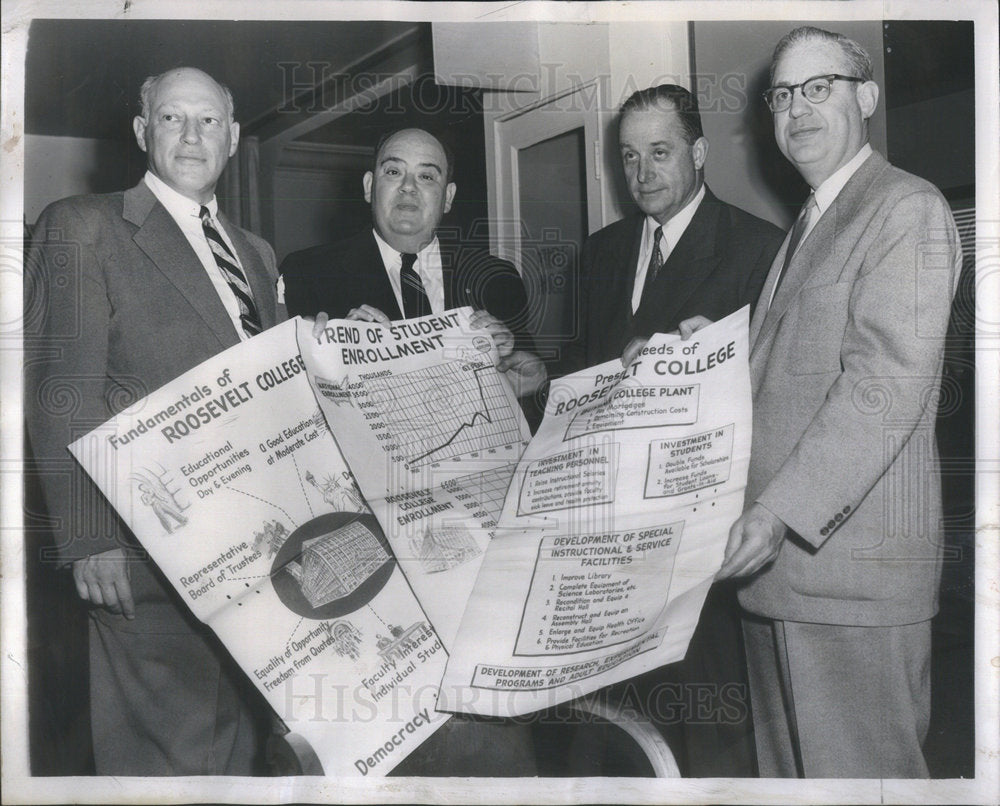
(716, 267)
(846, 366)
(119, 305)
(337, 277)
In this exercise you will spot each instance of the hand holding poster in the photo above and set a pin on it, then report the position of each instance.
(234, 485)
(613, 528)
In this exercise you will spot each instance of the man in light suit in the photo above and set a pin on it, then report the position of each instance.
(684, 253)
(131, 293)
(840, 541)
(710, 257)
(410, 188)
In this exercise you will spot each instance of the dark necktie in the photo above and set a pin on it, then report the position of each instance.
(655, 261)
(798, 230)
(415, 302)
(230, 266)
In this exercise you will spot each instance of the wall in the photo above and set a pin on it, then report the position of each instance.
(57, 167)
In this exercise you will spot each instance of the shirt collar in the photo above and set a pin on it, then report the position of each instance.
(177, 204)
(831, 187)
(392, 257)
(675, 227)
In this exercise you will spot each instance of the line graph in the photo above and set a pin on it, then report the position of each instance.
(444, 411)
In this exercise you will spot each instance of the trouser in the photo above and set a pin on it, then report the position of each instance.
(165, 697)
(832, 701)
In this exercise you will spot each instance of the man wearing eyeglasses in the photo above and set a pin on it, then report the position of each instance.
(840, 540)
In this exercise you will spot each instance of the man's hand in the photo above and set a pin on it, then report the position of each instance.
(689, 327)
(103, 580)
(484, 320)
(632, 350)
(525, 371)
(754, 540)
(367, 313)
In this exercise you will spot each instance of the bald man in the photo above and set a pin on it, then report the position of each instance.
(135, 275)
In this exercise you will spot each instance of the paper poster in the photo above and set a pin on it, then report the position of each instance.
(613, 528)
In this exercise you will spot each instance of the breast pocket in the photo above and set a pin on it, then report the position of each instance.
(819, 330)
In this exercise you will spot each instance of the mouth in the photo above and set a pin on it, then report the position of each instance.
(805, 131)
(407, 207)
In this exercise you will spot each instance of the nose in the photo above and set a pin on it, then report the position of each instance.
(409, 184)
(190, 133)
(799, 106)
(645, 171)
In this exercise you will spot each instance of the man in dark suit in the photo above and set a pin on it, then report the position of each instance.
(708, 255)
(134, 289)
(401, 268)
(840, 542)
(684, 253)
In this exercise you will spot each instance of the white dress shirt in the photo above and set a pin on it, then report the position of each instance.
(672, 232)
(186, 213)
(428, 268)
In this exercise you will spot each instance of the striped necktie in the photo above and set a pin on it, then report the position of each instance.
(230, 267)
(415, 301)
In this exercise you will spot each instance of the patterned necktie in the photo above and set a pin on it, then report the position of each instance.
(800, 228)
(227, 262)
(655, 261)
(415, 301)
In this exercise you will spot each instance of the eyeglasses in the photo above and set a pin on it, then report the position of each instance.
(815, 90)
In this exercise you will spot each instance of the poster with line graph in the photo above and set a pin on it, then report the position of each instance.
(232, 481)
(446, 411)
(432, 432)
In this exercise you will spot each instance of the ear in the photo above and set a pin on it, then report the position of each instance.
(699, 152)
(139, 127)
(867, 94)
(449, 195)
(234, 137)
(366, 182)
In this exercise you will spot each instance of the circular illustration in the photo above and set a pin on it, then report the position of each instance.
(332, 565)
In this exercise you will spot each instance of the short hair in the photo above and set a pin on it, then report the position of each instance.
(149, 87)
(676, 97)
(449, 156)
(857, 56)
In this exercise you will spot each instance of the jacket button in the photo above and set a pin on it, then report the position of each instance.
(838, 517)
(847, 509)
(831, 524)
(824, 531)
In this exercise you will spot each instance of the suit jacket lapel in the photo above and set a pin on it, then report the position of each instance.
(453, 297)
(818, 246)
(165, 245)
(624, 279)
(691, 260)
(377, 290)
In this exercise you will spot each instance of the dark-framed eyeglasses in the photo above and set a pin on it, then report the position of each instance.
(815, 90)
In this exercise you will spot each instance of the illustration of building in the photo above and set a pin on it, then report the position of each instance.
(444, 548)
(336, 564)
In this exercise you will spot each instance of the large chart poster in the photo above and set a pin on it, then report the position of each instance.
(232, 481)
(432, 432)
(614, 525)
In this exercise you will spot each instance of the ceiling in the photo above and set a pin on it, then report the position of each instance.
(82, 77)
